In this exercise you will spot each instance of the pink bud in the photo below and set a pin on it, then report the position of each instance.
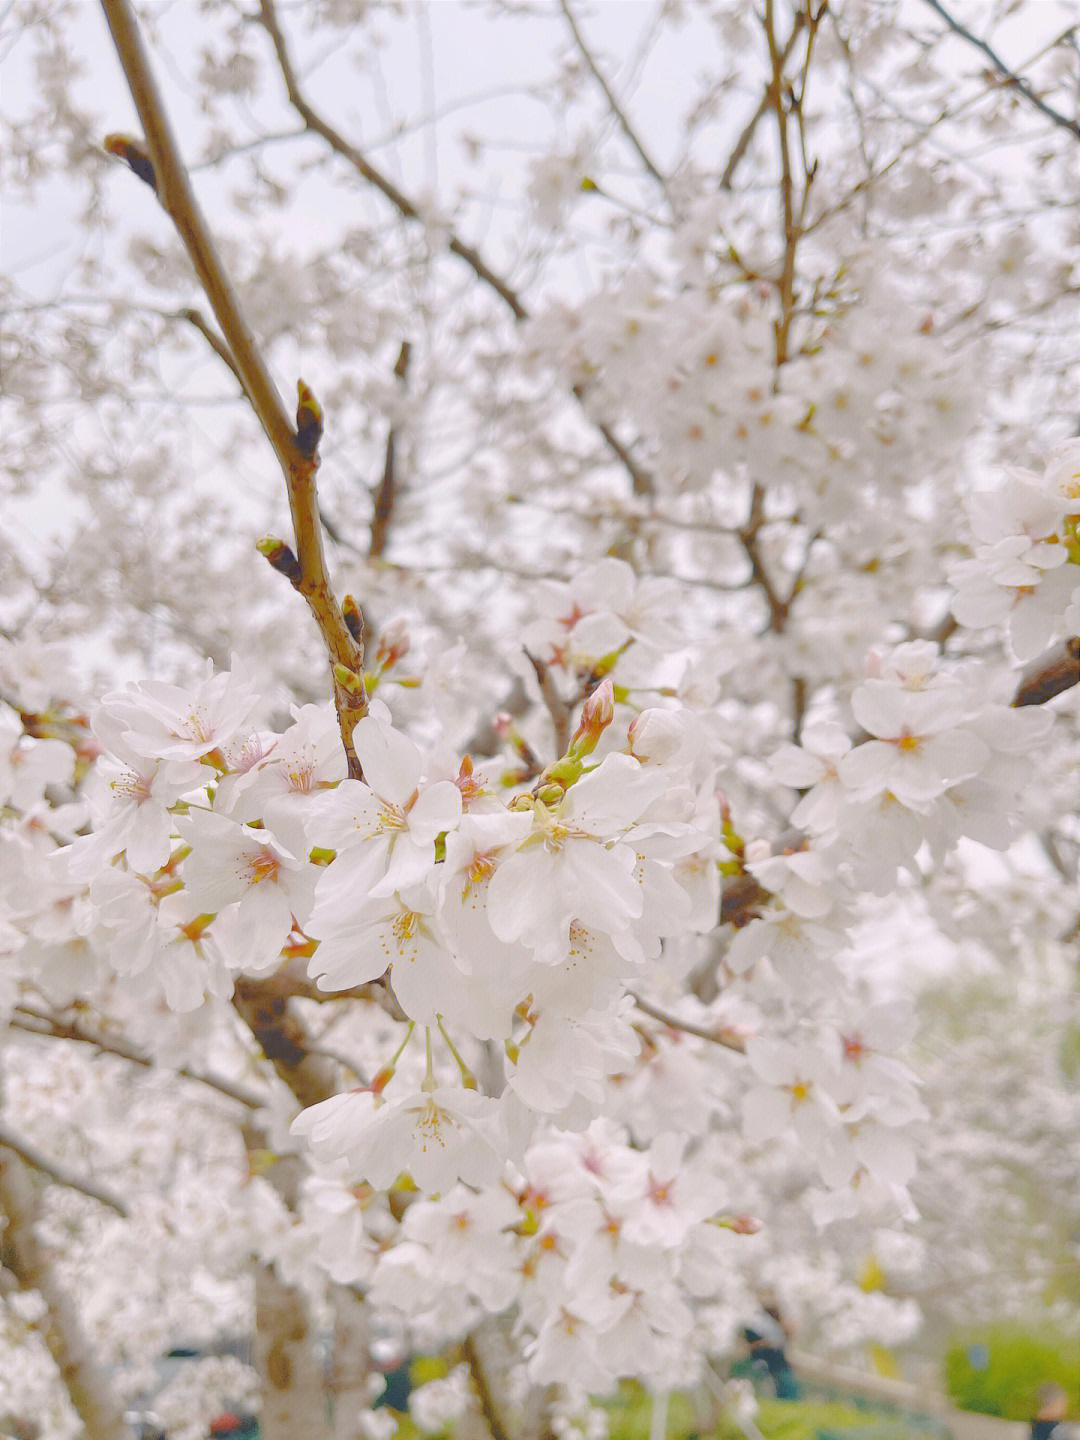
(596, 715)
(599, 709)
(394, 642)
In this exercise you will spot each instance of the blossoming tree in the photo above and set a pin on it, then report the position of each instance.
(489, 958)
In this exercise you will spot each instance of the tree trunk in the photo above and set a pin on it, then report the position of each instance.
(293, 1384)
(351, 1366)
(87, 1384)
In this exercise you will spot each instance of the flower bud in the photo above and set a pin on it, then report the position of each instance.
(596, 715)
(309, 421)
(280, 557)
(350, 682)
(394, 642)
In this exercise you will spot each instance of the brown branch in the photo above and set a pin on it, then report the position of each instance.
(1012, 79)
(747, 537)
(196, 318)
(741, 900)
(786, 283)
(57, 1173)
(40, 1022)
(557, 707)
(743, 142)
(385, 495)
(263, 1005)
(1052, 674)
(268, 18)
(297, 457)
(715, 1034)
(616, 108)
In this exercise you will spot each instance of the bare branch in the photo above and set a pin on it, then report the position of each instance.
(557, 707)
(616, 108)
(747, 536)
(196, 318)
(387, 491)
(715, 1034)
(1011, 78)
(41, 1022)
(59, 1174)
(482, 1389)
(743, 142)
(268, 18)
(297, 457)
(263, 1005)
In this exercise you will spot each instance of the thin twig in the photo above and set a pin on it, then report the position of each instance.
(747, 536)
(640, 477)
(58, 1173)
(1011, 78)
(268, 18)
(715, 1034)
(298, 458)
(196, 318)
(482, 1387)
(616, 108)
(40, 1022)
(557, 707)
(383, 505)
(743, 142)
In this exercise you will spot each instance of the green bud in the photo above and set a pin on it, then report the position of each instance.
(349, 681)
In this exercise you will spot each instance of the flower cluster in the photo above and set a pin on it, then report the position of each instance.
(1023, 573)
(523, 934)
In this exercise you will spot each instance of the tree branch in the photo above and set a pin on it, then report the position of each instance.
(387, 491)
(482, 1388)
(268, 18)
(58, 1173)
(616, 108)
(557, 707)
(743, 143)
(297, 457)
(40, 1022)
(715, 1034)
(1011, 78)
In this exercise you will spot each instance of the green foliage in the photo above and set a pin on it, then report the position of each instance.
(819, 1420)
(1017, 1362)
(776, 1419)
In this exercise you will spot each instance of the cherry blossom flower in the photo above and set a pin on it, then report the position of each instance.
(438, 1137)
(923, 747)
(171, 723)
(28, 766)
(389, 822)
(238, 864)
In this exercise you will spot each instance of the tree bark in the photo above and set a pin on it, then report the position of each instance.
(351, 1365)
(294, 1387)
(86, 1382)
